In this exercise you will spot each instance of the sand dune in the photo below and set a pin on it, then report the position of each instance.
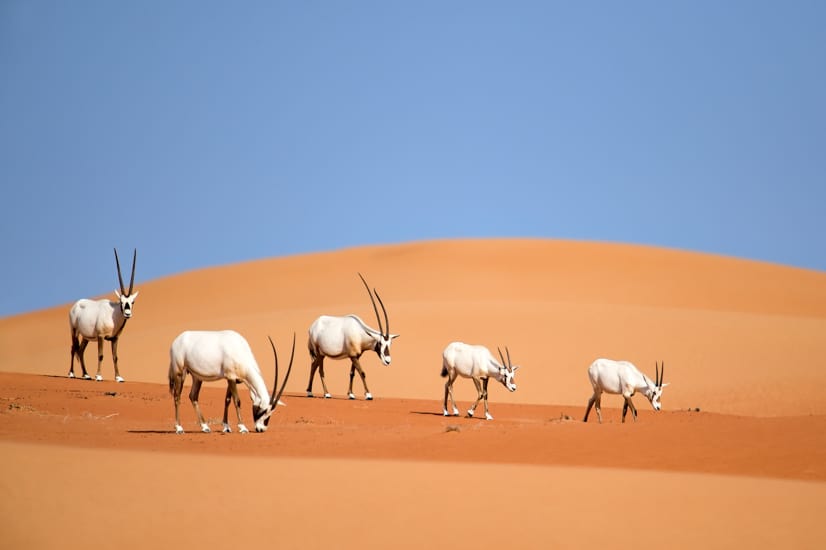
(741, 340)
(736, 336)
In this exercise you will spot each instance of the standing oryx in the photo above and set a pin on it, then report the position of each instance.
(348, 336)
(623, 378)
(476, 362)
(101, 320)
(216, 355)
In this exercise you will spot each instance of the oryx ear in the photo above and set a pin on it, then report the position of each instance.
(117, 294)
(135, 295)
(666, 384)
(393, 336)
(515, 368)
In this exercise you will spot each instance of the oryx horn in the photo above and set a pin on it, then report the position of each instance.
(276, 397)
(120, 277)
(508, 364)
(385, 330)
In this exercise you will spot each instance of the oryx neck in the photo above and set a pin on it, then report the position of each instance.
(375, 334)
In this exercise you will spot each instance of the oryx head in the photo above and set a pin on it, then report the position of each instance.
(382, 347)
(507, 370)
(262, 414)
(126, 298)
(655, 392)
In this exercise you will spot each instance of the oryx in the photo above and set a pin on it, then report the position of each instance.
(623, 378)
(348, 337)
(216, 355)
(477, 363)
(101, 320)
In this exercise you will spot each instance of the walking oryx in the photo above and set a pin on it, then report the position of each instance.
(101, 320)
(476, 362)
(348, 336)
(623, 378)
(216, 355)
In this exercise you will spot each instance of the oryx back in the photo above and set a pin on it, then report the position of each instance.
(213, 355)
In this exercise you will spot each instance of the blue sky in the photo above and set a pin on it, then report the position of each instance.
(207, 133)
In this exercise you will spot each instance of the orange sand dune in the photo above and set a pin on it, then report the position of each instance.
(742, 341)
(736, 336)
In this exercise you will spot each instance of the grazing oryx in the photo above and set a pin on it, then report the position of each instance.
(101, 320)
(216, 355)
(348, 336)
(476, 362)
(621, 377)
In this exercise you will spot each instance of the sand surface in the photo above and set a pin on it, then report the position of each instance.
(94, 465)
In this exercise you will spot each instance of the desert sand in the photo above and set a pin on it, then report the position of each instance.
(736, 458)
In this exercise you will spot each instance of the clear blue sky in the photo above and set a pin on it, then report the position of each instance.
(207, 133)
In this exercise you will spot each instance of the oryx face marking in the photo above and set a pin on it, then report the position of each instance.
(126, 303)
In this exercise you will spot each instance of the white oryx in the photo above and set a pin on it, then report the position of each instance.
(101, 320)
(216, 355)
(348, 337)
(476, 362)
(623, 378)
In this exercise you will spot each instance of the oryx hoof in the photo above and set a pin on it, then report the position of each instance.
(87, 377)
(309, 394)
(488, 416)
(368, 396)
(205, 428)
(119, 379)
(470, 413)
(227, 429)
(351, 396)
(179, 429)
(98, 378)
(328, 396)
(71, 375)
(242, 429)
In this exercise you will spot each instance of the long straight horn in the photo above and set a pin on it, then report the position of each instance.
(373, 301)
(277, 396)
(120, 277)
(386, 320)
(662, 373)
(510, 365)
(656, 374)
(501, 356)
(132, 278)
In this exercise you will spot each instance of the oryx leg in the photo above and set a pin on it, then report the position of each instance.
(449, 393)
(318, 365)
(478, 383)
(193, 396)
(232, 395)
(75, 351)
(81, 354)
(485, 396)
(177, 389)
(118, 377)
(596, 402)
(356, 366)
(588, 408)
(628, 403)
(99, 376)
